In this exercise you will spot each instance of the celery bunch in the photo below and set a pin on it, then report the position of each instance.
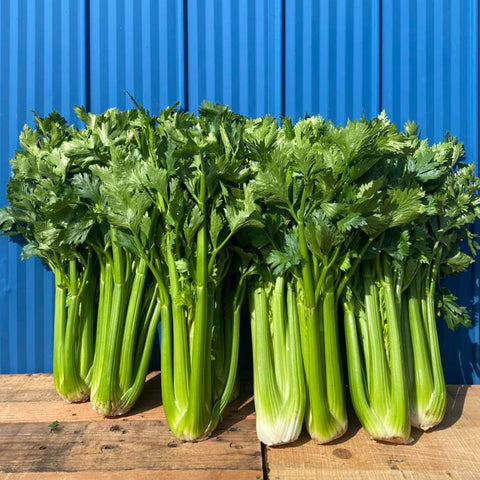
(329, 233)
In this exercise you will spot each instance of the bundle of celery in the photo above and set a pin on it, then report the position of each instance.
(395, 372)
(178, 219)
(323, 190)
(190, 175)
(45, 211)
(128, 311)
(69, 218)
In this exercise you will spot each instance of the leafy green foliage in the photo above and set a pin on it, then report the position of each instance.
(453, 313)
(198, 202)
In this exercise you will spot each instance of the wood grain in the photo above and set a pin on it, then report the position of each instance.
(138, 445)
(138, 475)
(33, 399)
(448, 451)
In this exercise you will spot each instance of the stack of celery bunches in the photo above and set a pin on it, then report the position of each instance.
(329, 242)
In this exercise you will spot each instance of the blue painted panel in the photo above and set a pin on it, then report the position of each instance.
(332, 58)
(234, 55)
(136, 47)
(418, 59)
(42, 59)
(430, 75)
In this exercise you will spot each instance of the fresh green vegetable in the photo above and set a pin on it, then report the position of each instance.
(395, 371)
(288, 182)
(44, 210)
(452, 206)
(315, 177)
(191, 176)
(209, 204)
(128, 311)
(179, 219)
(372, 303)
(279, 383)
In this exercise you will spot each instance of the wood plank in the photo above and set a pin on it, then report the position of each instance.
(139, 445)
(33, 399)
(126, 445)
(25, 388)
(448, 451)
(44, 405)
(138, 475)
(86, 445)
(39, 387)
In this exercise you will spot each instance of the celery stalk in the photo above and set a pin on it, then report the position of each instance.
(375, 353)
(279, 386)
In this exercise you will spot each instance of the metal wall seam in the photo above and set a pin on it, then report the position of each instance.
(42, 59)
(234, 55)
(475, 335)
(429, 75)
(332, 58)
(136, 47)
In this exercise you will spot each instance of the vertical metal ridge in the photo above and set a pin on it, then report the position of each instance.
(380, 55)
(185, 55)
(88, 80)
(13, 263)
(283, 61)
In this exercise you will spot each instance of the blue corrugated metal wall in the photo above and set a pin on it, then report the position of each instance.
(42, 68)
(430, 54)
(234, 52)
(332, 58)
(416, 59)
(135, 47)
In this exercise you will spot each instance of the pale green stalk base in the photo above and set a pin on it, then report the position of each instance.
(428, 417)
(68, 338)
(428, 392)
(126, 331)
(375, 357)
(188, 419)
(190, 416)
(325, 414)
(383, 427)
(279, 385)
(331, 430)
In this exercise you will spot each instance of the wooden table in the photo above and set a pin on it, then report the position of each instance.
(140, 446)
